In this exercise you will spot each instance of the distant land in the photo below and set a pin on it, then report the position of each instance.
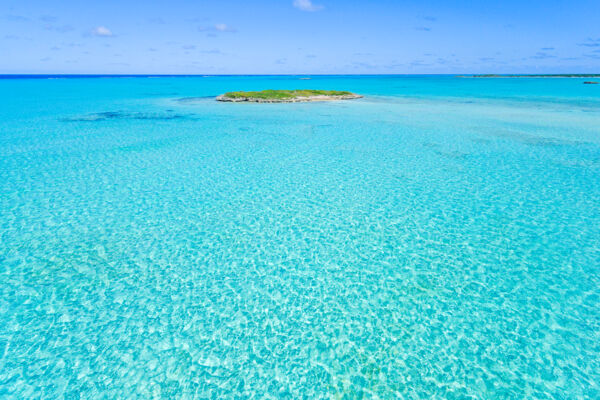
(530, 76)
(287, 96)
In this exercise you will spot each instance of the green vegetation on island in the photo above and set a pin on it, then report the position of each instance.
(287, 96)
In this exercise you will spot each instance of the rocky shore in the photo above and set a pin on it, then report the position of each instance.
(289, 100)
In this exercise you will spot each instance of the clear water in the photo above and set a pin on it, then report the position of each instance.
(439, 238)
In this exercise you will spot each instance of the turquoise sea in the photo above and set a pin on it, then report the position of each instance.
(437, 239)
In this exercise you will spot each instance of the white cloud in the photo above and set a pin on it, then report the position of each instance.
(307, 5)
(217, 28)
(101, 31)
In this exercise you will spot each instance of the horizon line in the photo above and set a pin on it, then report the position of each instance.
(101, 75)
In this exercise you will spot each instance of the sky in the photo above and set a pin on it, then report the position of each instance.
(299, 36)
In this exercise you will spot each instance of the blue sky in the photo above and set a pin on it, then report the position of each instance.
(299, 36)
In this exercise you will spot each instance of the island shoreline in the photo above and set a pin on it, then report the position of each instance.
(306, 99)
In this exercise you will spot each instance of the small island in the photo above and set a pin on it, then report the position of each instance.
(287, 96)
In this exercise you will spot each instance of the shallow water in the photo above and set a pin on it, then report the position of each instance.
(439, 238)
